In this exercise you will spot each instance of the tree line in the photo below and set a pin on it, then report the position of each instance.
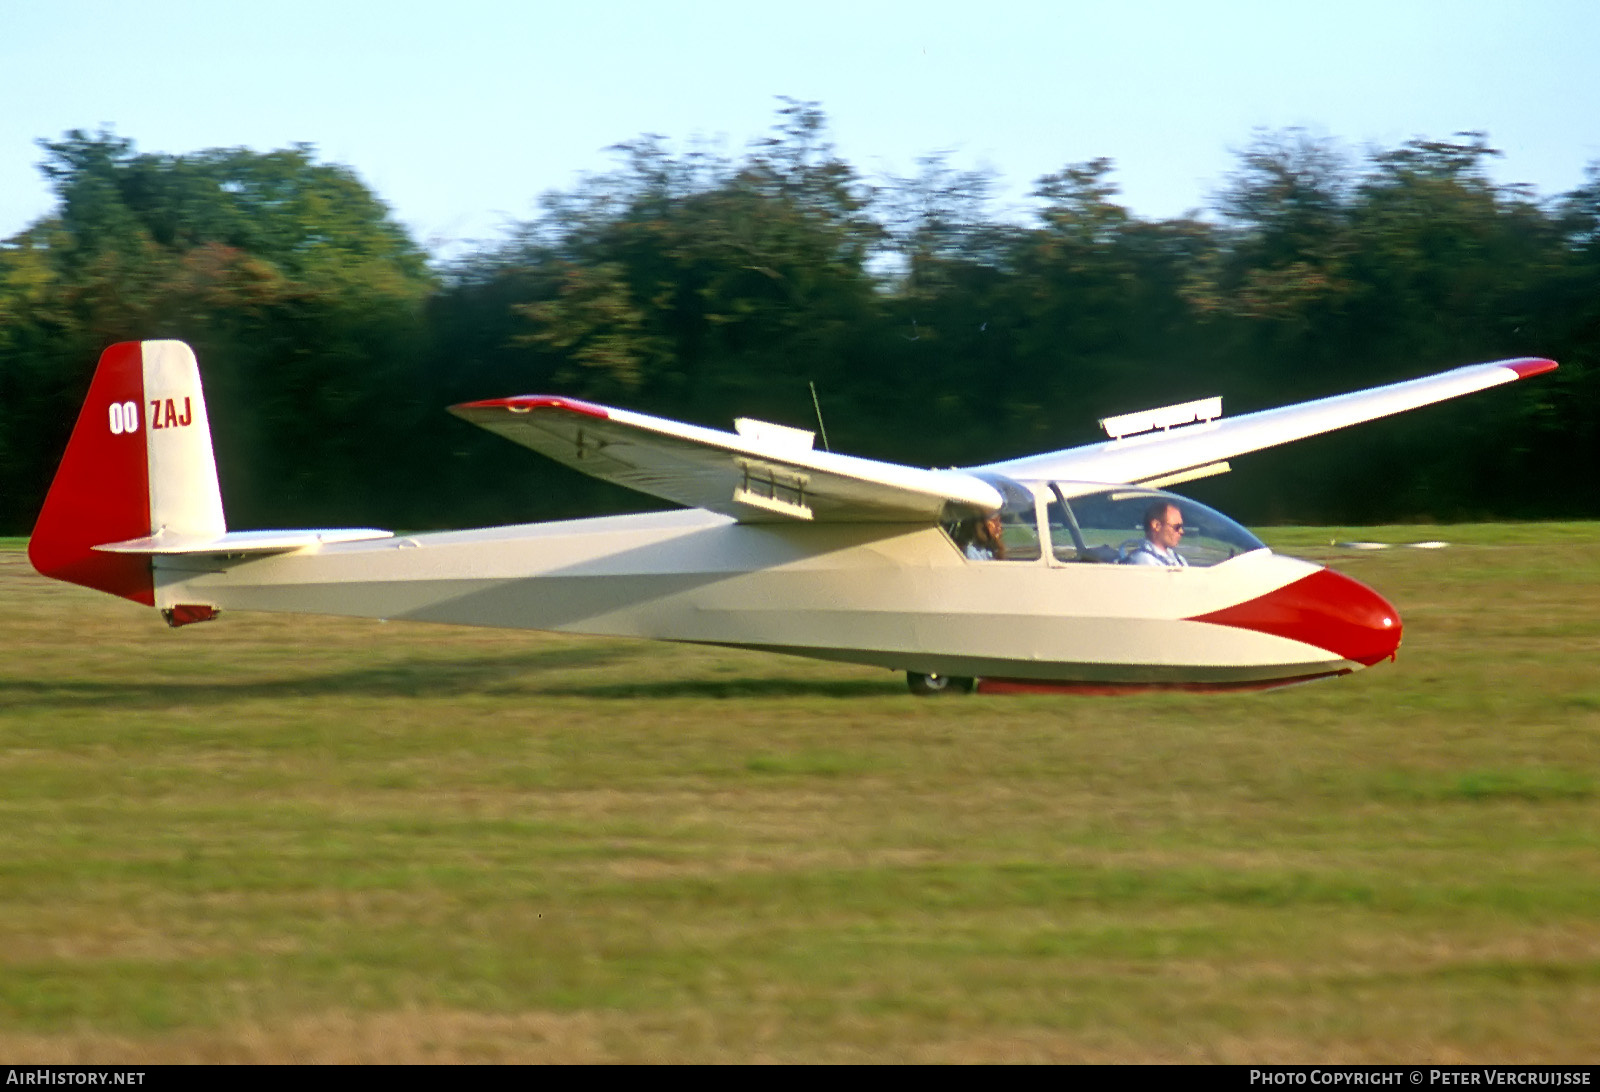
(702, 285)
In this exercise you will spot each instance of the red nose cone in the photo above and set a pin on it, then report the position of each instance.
(1325, 609)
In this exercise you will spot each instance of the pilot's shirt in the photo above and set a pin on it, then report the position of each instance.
(1148, 553)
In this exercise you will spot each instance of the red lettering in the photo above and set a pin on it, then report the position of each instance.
(187, 416)
(172, 416)
(155, 413)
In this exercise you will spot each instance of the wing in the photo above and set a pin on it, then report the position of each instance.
(762, 473)
(1192, 451)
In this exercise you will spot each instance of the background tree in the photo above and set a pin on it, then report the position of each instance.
(289, 277)
(702, 285)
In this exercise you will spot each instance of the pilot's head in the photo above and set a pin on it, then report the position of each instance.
(1163, 524)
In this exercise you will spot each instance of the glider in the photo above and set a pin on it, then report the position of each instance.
(1043, 572)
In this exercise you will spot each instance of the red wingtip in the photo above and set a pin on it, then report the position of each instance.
(522, 403)
(1531, 365)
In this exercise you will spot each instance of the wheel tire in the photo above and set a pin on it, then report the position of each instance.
(927, 686)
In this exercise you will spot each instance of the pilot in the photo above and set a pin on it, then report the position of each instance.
(1163, 530)
(981, 539)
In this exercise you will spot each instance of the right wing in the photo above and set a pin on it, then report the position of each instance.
(761, 475)
(1191, 450)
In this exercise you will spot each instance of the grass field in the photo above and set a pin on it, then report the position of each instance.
(299, 839)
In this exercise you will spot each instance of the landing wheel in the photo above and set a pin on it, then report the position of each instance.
(925, 686)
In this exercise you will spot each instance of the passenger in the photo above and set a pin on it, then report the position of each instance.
(980, 538)
(1163, 530)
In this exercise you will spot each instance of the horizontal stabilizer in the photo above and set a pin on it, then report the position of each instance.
(240, 542)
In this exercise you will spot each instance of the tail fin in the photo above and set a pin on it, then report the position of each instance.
(139, 464)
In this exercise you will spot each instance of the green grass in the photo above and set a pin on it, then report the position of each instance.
(283, 838)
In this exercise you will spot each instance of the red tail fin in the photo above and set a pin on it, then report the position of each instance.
(101, 492)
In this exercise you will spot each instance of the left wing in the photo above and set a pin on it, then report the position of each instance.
(1191, 451)
(760, 474)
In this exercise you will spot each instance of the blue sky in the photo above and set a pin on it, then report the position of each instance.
(460, 114)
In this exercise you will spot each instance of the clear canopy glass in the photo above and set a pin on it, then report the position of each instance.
(1098, 523)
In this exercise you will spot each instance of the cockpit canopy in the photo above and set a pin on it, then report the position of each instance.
(1095, 523)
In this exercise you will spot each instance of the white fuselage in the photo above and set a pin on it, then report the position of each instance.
(897, 596)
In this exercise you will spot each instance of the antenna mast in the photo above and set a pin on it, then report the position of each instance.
(822, 428)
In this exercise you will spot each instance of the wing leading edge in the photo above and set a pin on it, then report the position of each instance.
(764, 476)
(1189, 450)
